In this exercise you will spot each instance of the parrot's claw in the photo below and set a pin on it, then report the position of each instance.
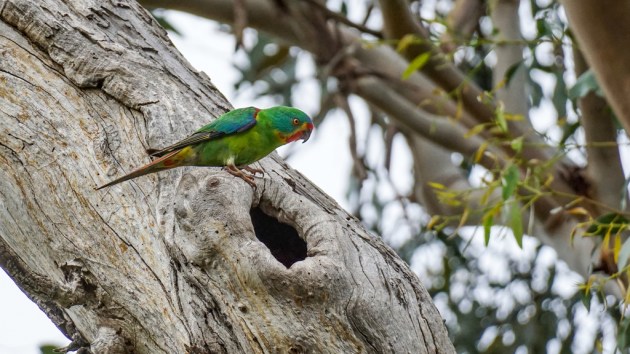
(236, 172)
(253, 170)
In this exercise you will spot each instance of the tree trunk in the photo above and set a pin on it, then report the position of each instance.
(189, 260)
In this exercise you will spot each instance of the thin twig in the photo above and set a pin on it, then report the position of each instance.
(368, 13)
(240, 21)
(390, 133)
(358, 166)
(342, 19)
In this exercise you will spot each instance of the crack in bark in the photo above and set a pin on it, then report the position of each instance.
(176, 268)
(17, 77)
(35, 55)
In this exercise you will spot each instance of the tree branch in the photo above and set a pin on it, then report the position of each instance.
(447, 134)
(599, 30)
(509, 54)
(604, 162)
(342, 19)
(398, 22)
(462, 21)
(432, 164)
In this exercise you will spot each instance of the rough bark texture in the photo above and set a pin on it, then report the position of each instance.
(173, 262)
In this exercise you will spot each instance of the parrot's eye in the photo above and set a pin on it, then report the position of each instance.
(296, 121)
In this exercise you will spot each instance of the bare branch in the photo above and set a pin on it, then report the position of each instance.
(462, 22)
(342, 19)
(240, 21)
(435, 128)
(509, 54)
(262, 15)
(358, 164)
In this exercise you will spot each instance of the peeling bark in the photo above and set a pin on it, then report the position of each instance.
(171, 262)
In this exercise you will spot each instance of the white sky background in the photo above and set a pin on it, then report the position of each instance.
(325, 159)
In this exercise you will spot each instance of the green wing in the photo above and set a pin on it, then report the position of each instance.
(232, 122)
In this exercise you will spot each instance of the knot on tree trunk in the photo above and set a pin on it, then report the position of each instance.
(79, 285)
(109, 341)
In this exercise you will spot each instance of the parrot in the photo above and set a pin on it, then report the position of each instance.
(234, 140)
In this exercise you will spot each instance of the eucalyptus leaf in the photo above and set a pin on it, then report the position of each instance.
(487, 227)
(516, 222)
(584, 84)
(509, 182)
(416, 65)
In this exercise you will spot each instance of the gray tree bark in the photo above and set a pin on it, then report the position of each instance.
(189, 260)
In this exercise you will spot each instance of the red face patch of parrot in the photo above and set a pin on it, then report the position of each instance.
(304, 133)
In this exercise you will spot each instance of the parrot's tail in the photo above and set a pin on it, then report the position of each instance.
(168, 161)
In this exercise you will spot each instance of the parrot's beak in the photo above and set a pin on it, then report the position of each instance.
(306, 134)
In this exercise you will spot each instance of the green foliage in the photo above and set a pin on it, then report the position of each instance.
(516, 222)
(585, 84)
(509, 181)
(416, 64)
(488, 221)
(607, 224)
(552, 34)
(623, 334)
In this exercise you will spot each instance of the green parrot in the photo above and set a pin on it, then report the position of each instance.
(236, 139)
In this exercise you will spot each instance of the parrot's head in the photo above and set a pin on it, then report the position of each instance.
(290, 123)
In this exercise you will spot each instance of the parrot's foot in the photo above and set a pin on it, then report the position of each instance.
(253, 170)
(234, 171)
